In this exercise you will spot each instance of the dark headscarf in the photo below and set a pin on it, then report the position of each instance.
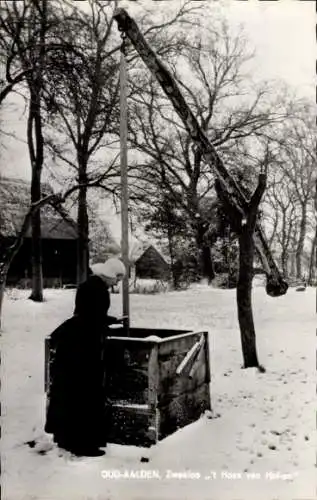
(92, 300)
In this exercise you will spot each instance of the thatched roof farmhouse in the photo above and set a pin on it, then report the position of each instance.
(59, 236)
(151, 264)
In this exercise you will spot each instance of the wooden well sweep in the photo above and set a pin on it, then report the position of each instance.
(157, 381)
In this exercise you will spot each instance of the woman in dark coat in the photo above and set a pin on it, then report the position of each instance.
(76, 401)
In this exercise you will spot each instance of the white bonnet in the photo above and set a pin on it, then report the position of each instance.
(110, 269)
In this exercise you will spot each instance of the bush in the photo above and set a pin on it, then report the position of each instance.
(223, 280)
(149, 286)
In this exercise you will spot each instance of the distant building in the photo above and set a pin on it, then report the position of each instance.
(151, 265)
(59, 237)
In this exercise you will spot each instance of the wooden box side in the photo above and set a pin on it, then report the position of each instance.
(131, 422)
(128, 424)
(126, 365)
(183, 397)
(184, 410)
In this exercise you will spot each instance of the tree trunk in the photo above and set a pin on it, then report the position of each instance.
(83, 233)
(313, 262)
(284, 244)
(284, 262)
(207, 265)
(205, 261)
(292, 259)
(36, 152)
(37, 274)
(245, 227)
(300, 243)
(172, 256)
(4, 268)
(244, 290)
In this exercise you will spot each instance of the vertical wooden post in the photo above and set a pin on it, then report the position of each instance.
(207, 356)
(124, 185)
(208, 375)
(153, 381)
(46, 364)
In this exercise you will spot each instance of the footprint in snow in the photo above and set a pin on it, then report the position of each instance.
(41, 446)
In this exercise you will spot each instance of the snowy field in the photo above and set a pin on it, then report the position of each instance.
(260, 443)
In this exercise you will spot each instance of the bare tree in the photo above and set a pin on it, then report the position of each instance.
(245, 227)
(24, 44)
(313, 251)
(83, 99)
(215, 92)
(12, 74)
(8, 250)
(300, 169)
(281, 216)
(290, 191)
(82, 103)
(101, 242)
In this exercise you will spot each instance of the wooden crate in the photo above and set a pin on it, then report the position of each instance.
(150, 394)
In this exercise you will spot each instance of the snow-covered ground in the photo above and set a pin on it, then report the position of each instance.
(261, 443)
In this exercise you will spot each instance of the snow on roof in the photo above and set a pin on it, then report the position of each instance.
(14, 202)
(141, 251)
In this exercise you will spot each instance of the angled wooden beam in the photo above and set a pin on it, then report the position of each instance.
(277, 286)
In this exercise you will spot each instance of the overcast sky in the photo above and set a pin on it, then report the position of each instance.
(281, 32)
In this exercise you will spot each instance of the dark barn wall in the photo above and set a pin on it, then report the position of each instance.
(151, 265)
(59, 262)
(21, 266)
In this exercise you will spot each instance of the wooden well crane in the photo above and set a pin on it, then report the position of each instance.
(275, 285)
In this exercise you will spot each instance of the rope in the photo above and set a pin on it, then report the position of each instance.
(124, 180)
(124, 43)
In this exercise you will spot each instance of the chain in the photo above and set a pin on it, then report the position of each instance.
(124, 43)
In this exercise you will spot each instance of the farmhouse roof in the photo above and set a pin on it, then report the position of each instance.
(145, 249)
(14, 202)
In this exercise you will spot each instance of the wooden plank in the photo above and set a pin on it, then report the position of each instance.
(190, 355)
(129, 384)
(167, 367)
(126, 353)
(142, 333)
(46, 363)
(174, 345)
(172, 387)
(162, 333)
(129, 408)
(129, 426)
(153, 386)
(127, 370)
(183, 410)
(200, 360)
